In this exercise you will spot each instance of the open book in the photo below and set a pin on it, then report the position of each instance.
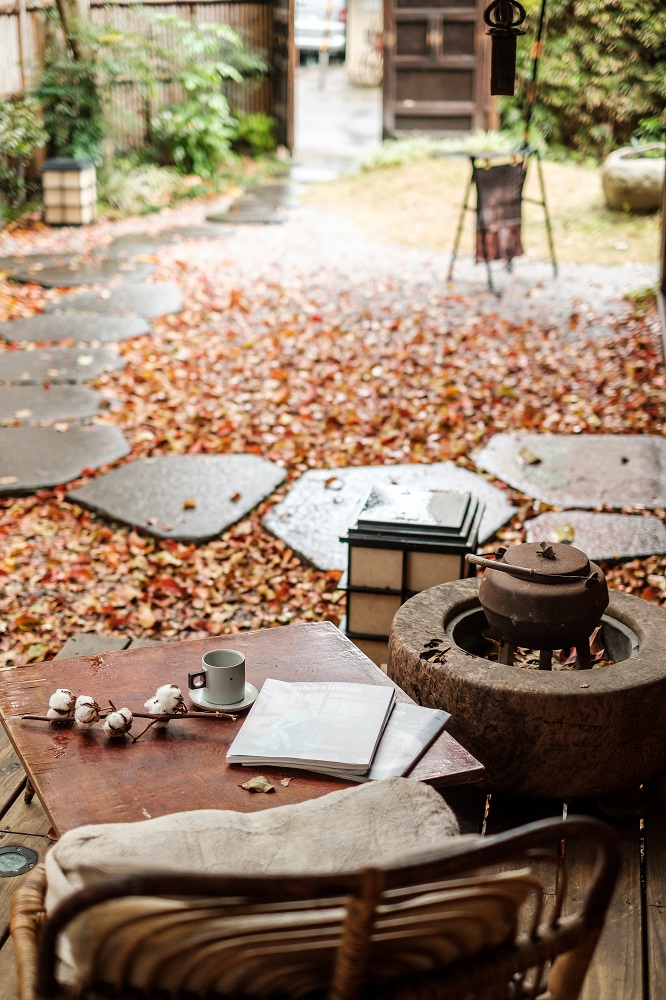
(410, 730)
(305, 724)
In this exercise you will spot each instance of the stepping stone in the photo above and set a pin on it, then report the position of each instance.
(601, 536)
(248, 214)
(203, 232)
(58, 365)
(324, 503)
(35, 458)
(37, 261)
(84, 329)
(157, 299)
(33, 403)
(581, 470)
(191, 498)
(135, 245)
(74, 275)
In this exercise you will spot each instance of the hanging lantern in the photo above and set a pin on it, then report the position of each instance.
(503, 18)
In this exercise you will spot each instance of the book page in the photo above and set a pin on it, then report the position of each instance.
(332, 723)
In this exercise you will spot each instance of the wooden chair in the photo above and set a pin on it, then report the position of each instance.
(480, 918)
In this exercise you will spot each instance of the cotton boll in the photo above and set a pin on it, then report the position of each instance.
(56, 715)
(62, 700)
(86, 713)
(118, 723)
(171, 698)
(155, 707)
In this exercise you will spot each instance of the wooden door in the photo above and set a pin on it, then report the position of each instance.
(435, 77)
(283, 66)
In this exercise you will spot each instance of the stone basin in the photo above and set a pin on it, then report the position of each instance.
(561, 733)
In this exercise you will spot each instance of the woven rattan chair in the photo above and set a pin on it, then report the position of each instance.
(481, 918)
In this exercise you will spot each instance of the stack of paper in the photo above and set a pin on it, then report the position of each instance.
(345, 730)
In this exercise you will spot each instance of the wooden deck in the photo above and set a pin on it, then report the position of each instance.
(629, 962)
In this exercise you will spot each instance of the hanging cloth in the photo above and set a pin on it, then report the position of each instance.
(499, 191)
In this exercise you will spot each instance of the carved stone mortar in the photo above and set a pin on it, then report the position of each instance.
(556, 733)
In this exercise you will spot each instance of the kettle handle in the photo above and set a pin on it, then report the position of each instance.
(527, 574)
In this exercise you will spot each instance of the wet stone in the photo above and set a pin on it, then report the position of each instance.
(601, 536)
(204, 232)
(249, 213)
(156, 299)
(581, 470)
(33, 403)
(190, 498)
(135, 245)
(37, 261)
(34, 458)
(73, 275)
(84, 329)
(58, 365)
(324, 503)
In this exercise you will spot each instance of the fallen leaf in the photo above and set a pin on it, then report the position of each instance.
(258, 784)
(146, 616)
(528, 457)
(22, 414)
(189, 504)
(285, 781)
(563, 533)
(235, 498)
(27, 622)
(8, 480)
(84, 360)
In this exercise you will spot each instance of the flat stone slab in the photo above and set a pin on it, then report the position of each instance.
(58, 365)
(191, 498)
(601, 536)
(581, 470)
(324, 503)
(135, 245)
(75, 274)
(207, 231)
(250, 214)
(157, 299)
(85, 329)
(33, 403)
(37, 261)
(35, 458)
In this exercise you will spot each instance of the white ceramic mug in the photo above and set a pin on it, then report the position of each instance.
(221, 679)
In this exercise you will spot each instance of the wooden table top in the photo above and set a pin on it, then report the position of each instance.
(85, 777)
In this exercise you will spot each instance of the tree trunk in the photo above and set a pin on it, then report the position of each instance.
(72, 13)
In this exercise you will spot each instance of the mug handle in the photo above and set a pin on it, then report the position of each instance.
(191, 678)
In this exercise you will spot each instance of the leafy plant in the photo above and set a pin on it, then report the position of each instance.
(21, 133)
(131, 188)
(255, 132)
(601, 74)
(399, 152)
(196, 134)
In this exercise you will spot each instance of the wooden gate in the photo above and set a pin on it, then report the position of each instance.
(283, 64)
(435, 75)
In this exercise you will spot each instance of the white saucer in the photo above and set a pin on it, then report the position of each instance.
(248, 699)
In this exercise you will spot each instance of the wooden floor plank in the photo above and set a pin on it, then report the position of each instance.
(655, 888)
(8, 980)
(11, 773)
(616, 972)
(25, 826)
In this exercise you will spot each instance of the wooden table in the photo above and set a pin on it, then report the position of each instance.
(84, 777)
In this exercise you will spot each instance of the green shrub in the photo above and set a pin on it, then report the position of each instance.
(21, 133)
(601, 76)
(132, 188)
(71, 103)
(196, 134)
(255, 132)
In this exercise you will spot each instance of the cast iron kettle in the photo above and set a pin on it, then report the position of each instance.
(542, 596)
